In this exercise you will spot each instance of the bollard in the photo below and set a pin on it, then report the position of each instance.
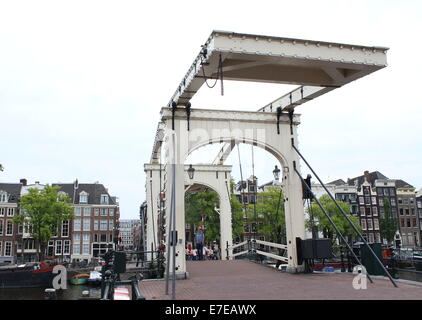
(50, 294)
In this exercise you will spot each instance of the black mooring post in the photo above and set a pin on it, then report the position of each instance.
(347, 218)
(330, 220)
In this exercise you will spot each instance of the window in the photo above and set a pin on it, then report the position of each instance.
(3, 196)
(65, 228)
(414, 223)
(87, 212)
(111, 238)
(110, 225)
(366, 191)
(252, 199)
(8, 248)
(66, 247)
(103, 225)
(87, 224)
(412, 211)
(50, 248)
(111, 211)
(76, 248)
(382, 212)
(394, 212)
(20, 229)
(86, 238)
(362, 211)
(410, 238)
(399, 200)
(376, 224)
(377, 238)
(96, 211)
(374, 200)
(104, 199)
(1, 230)
(103, 238)
(408, 223)
(95, 225)
(367, 200)
(406, 201)
(10, 212)
(392, 193)
(420, 213)
(83, 197)
(9, 228)
(76, 237)
(77, 225)
(370, 227)
(379, 191)
(406, 211)
(419, 204)
(78, 211)
(85, 248)
(58, 247)
(363, 224)
(368, 211)
(1, 248)
(375, 211)
(401, 212)
(386, 191)
(2, 210)
(361, 200)
(103, 211)
(370, 237)
(393, 202)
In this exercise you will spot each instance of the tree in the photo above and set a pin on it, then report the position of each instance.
(324, 225)
(388, 224)
(201, 205)
(44, 211)
(237, 216)
(270, 217)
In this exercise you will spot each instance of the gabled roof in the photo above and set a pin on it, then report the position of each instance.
(94, 190)
(13, 189)
(338, 182)
(403, 184)
(372, 176)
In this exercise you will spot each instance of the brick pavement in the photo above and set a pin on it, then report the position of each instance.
(246, 280)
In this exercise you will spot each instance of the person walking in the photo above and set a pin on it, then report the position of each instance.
(199, 241)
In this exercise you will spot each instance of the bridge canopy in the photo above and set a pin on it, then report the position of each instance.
(316, 66)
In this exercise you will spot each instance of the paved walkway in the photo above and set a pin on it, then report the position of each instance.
(246, 280)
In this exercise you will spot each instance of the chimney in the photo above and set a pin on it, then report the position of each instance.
(24, 182)
(366, 174)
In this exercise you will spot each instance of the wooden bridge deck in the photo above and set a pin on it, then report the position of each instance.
(246, 280)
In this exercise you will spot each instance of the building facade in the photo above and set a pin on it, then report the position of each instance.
(126, 233)
(9, 195)
(408, 214)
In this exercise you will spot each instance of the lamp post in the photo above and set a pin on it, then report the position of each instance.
(191, 172)
(276, 173)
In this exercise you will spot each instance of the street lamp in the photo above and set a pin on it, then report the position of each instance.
(191, 172)
(276, 173)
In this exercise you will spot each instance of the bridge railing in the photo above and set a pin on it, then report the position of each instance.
(249, 246)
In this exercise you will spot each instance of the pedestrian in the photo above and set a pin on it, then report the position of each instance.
(199, 241)
(216, 251)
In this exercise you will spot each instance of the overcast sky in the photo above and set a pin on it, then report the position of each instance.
(82, 84)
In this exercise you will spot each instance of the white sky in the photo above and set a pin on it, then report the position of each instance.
(82, 84)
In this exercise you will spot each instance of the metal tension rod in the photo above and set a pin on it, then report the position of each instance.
(347, 218)
(331, 221)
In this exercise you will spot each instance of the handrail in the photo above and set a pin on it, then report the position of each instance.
(240, 253)
(270, 244)
(272, 255)
(238, 245)
(345, 215)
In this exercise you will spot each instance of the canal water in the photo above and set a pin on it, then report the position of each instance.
(71, 293)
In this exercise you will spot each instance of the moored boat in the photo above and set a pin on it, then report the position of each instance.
(79, 279)
(26, 275)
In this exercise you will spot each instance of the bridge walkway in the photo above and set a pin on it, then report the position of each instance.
(246, 280)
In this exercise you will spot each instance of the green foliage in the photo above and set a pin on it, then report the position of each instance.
(388, 224)
(270, 215)
(237, 216)
(324, 225)
(44, 210)
(203, 204)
